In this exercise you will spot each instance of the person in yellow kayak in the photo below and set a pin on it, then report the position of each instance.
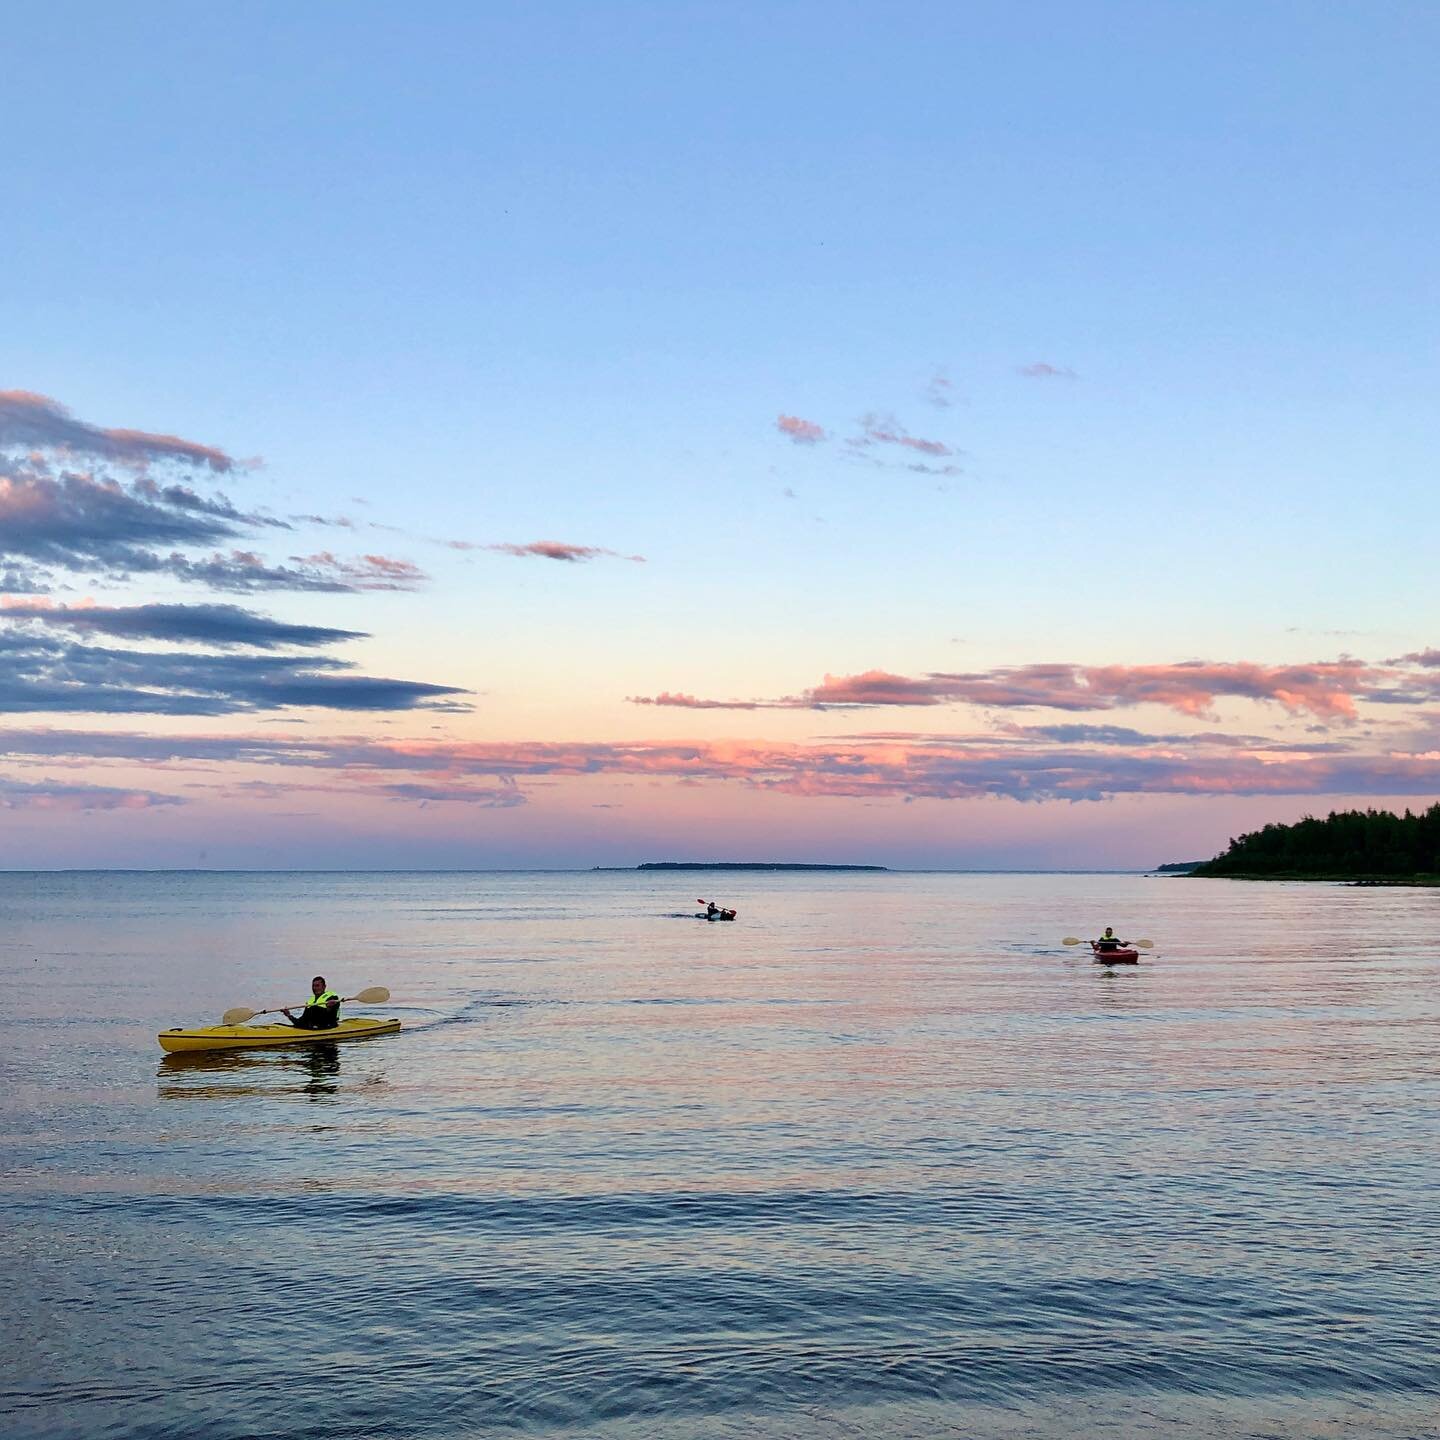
(320, 1012)
(1108, 941)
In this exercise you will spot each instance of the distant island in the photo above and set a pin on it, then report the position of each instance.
(1178, 867)
(1367, 847)
(744, 865)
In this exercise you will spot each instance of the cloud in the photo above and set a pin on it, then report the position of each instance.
(871, 687)
(368, 572)
(43, 673)
(505, 796)
(65, 506)
(21, 580)
(1121, 735)
(1041, 370)
(219, 625)
(886, 430)
(1327, 689)
(555, 550)
(940, 391)
(55, 795)
(1427, 659)
(801, 432)
(680, 701)
(78, 520)
(502, 797)
(876, 431)
(80, 499)
(341, 522)
(35, 422)
(933, 768)
(103, 526)
(246, 572)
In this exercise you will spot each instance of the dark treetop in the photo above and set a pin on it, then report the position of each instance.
(1346, 845)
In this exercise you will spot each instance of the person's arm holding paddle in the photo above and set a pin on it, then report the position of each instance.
(321, 1010)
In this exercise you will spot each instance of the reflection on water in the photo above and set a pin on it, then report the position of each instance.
(1121, 987)
(312, 1069)
(880, 1159)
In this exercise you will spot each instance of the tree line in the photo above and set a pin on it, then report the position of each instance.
(1348, 844)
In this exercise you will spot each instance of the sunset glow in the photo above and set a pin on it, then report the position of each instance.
(542, 481)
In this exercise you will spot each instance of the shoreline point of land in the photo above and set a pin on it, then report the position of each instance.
(745, 865)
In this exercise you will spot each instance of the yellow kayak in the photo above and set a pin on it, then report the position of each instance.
(235, 1037)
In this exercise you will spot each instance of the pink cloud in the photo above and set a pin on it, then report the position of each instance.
(369, 572)
(681, 701)
(872, 687)
(884, 430)
(893, 768)
(38, 422)
(802, 432)
(38, 605)
(1328, 690)
(556, 550)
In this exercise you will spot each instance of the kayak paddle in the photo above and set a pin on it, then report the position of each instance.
(375, 995)
(1136, 944)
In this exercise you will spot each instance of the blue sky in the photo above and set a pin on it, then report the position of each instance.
(514, 273)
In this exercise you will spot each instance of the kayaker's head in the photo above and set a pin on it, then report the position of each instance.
(317, 985)
(1109, 935)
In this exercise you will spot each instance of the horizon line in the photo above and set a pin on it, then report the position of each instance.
(548, 870)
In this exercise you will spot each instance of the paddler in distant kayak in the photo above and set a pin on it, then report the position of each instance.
(1108, 941)
(321, 1011)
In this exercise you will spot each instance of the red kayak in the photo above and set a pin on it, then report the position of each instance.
(1114, 957)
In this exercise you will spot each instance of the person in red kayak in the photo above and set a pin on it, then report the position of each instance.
(321, 1011)
(1108, 941)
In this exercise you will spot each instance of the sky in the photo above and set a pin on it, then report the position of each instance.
(966, 435)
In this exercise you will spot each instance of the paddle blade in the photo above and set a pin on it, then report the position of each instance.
(1143, 944)
(1072, 940)
(239, 1015)
(375, 995)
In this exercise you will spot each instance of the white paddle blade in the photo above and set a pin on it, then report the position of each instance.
(1072, 940)
(1143, 944)
(375, 995)
(239, 1015)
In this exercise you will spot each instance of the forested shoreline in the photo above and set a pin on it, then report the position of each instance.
(1376, 845)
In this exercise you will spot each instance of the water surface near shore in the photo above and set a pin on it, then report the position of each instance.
(879, 1159)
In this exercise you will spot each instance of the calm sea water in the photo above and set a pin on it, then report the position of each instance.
(879, 1159)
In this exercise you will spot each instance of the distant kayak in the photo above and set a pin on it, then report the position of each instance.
(1114, 957)
(237, 1037)
(723, 915)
